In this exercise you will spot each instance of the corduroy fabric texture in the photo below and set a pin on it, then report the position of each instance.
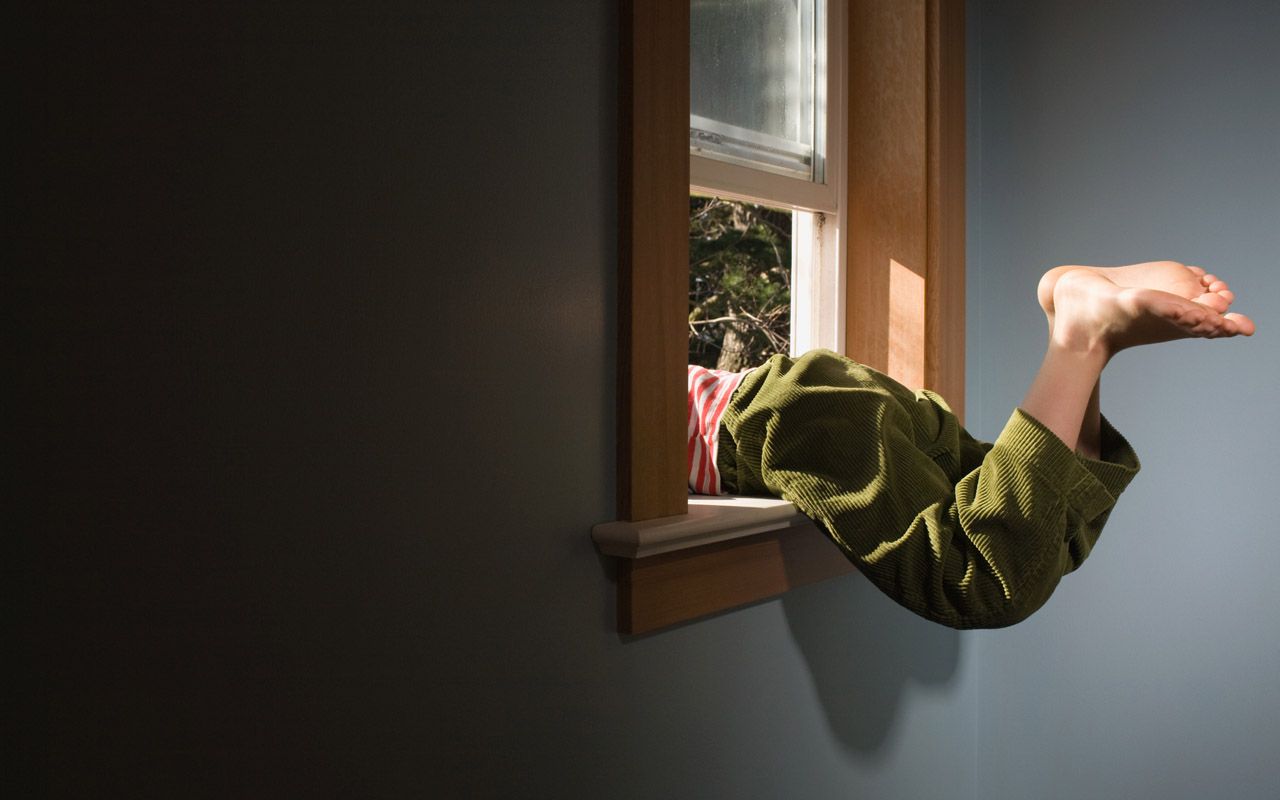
(968, 534)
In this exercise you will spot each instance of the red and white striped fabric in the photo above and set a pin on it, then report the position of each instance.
(709, 393)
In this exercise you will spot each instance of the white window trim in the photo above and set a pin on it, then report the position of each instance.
(736, 182)
(818, 292)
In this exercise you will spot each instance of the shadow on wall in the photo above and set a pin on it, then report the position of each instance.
(862, 651)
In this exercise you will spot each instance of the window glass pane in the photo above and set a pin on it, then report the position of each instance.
(752, 81)
(739, 283)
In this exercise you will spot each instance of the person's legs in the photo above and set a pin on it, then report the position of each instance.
(1094, 312)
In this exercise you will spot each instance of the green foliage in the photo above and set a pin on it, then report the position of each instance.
(739, 283)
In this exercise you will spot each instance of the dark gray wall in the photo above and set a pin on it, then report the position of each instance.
(313, 345)
(1113, 132)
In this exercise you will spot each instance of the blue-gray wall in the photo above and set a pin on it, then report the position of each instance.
(315, 331)
(1108, 133)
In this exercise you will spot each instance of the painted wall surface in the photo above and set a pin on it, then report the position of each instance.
(313, 332)
(1114, 132)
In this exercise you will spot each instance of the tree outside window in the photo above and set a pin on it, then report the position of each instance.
(739, 283)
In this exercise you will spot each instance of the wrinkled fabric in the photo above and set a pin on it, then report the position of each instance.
(965, 533)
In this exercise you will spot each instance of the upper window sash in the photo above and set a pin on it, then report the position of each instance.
(747, 164)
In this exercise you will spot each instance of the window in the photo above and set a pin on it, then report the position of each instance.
(756, 72)
(767, 84)
(766, 99)
(899, 201)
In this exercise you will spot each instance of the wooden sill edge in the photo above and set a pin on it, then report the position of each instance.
(709, 520)
(726, 552)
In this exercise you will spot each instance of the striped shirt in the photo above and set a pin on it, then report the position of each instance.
(709, 393)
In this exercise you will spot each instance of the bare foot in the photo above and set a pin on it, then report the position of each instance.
(1185, 282)
(1095, 315)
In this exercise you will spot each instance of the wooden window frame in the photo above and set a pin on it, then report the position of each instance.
(904, 254)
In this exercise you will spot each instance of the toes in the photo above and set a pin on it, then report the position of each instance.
(1228, 295)
(1202, 321)
(1206, 327)
(1213, 300)
(1213, 283)
(1193, 319)
(1244, 325)
(1195, 270)
(1218, 326)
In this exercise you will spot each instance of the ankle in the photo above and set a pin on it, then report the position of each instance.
(1088, 351)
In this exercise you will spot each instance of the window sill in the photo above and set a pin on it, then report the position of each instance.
(725, 553)
(710, 520)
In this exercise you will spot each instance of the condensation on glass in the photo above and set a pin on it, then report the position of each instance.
(755, 97)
